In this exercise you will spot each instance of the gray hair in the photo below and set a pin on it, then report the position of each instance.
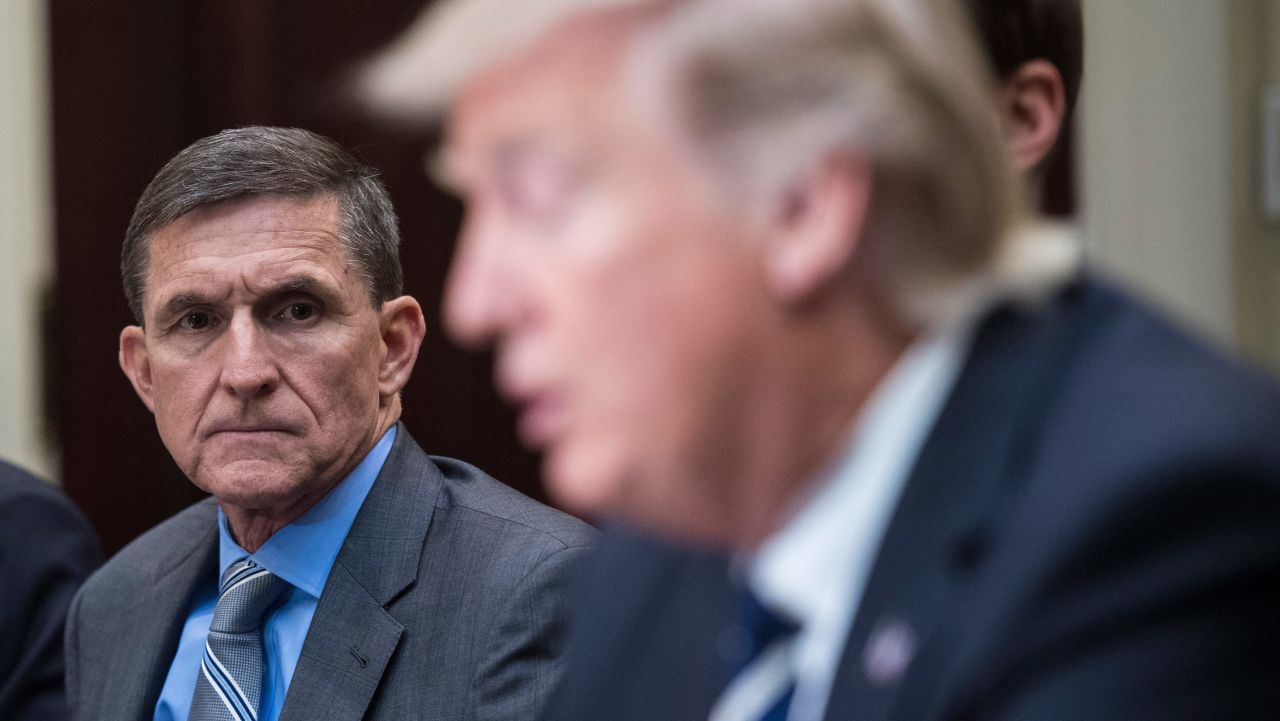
(254, 161)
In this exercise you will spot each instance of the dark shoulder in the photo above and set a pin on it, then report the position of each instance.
(631, 574)
(1140, 384)
(647, 613)
(35, 505)
(1137, 519)
(470, 492)
(1149, 460)
(159, 550)
(44, 536)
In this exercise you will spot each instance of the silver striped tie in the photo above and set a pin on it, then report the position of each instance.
(229, 687)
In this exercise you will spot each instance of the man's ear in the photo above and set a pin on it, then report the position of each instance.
(817, 226)
(136, 364)
(1032, 103)
(403, 328)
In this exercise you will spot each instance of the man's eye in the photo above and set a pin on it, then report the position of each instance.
(300, 311)
(538, 189)
(197, 321)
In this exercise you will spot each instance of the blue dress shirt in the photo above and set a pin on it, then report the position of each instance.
(301, 553)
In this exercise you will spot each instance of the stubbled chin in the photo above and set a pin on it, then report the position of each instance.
(257, 484)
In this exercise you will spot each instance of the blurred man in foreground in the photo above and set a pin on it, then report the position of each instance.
(47, 549)
(752, 273)
(360, 577)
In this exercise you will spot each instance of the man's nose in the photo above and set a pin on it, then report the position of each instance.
(481, 294)
(249, 370)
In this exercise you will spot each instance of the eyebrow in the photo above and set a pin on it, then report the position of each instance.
(295, 284)
(181, 301)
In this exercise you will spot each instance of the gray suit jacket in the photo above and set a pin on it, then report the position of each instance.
(446, 602)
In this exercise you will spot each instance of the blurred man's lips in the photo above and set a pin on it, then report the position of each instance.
(542, 419)
(540, 400)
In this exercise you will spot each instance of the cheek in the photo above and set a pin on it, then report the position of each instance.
(655, 375)
(662, 336)
(181, 392)
(342, 373)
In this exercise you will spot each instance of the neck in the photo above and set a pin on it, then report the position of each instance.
(816, 392)
(252, 527)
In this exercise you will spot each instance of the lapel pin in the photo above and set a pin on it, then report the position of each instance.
(889, 651)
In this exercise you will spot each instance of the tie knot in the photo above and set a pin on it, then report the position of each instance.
(758, 628)
(763, 624)
(247, 590)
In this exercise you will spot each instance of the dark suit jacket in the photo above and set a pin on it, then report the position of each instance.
(445, 602)
(47, 549)
(1092, 531)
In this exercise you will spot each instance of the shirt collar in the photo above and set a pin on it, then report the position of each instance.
(303, 552)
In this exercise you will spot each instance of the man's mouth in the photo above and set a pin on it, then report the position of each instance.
(248, 431)
(543, 418)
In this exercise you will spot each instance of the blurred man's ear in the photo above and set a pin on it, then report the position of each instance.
(817, 226)
(135, 363)
(1032, 103)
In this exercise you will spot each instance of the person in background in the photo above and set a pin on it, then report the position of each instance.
(338, 571)
(47, 549)
(754, 274)
(1035, 49)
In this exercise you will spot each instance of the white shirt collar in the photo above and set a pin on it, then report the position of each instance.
(815, 568)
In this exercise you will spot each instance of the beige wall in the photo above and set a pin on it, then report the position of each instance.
(1169, 162)
(1255, 64)
(25, 237)
(1156, 171)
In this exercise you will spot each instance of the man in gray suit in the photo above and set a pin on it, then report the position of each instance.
(360, 578)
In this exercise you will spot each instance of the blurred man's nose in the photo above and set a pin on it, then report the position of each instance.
(249, 369)
(480, 295)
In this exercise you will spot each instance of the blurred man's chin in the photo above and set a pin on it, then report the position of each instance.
(582, 482)
(603, 486)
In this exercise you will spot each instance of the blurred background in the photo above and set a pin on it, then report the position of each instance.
(1162, 181)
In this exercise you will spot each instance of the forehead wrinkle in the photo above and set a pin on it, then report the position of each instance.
(299, 283)
(319, 222)
(201, 273)
(292, 238)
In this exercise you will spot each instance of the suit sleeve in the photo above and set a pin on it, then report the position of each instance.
(525, 655)
(1174, 614)
(71, 649)
(48, 551)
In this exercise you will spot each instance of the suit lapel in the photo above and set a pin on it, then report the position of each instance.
(155, 626)
(352, 635)
(946, 521)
